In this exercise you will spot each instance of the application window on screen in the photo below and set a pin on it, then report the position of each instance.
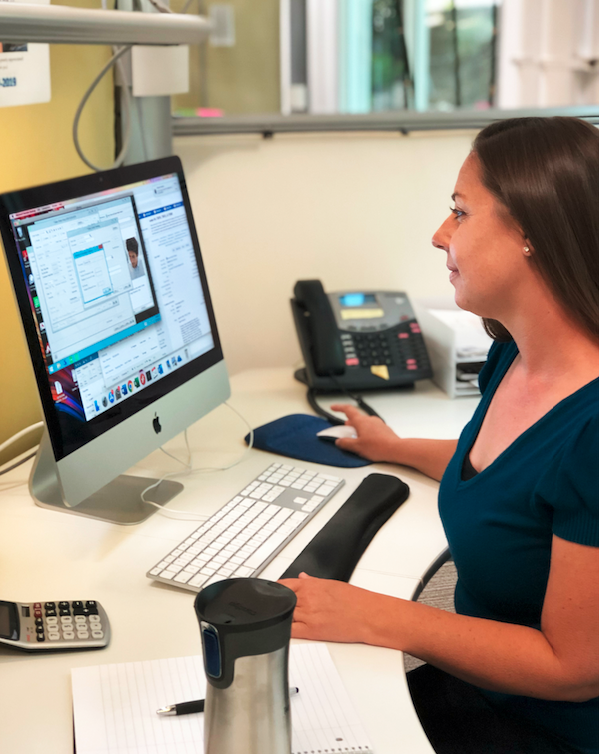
(115, 290)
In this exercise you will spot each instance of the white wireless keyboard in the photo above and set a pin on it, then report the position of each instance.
(245, 535)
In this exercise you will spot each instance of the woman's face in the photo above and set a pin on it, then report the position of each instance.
(485, 248)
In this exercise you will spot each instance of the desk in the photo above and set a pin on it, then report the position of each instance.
(51, 555)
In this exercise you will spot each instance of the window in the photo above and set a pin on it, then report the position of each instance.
(325, 57)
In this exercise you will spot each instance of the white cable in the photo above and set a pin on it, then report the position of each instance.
(187, 463)
(242, 456)
(127, 103)
(22, 433)
(189, 515)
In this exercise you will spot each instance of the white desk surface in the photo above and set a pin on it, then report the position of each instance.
(48, 555)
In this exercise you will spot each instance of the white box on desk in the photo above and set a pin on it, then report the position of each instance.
(454, 338)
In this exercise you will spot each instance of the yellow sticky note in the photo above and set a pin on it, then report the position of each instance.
(380, 371)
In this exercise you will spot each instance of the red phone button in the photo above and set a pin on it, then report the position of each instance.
(352, 362)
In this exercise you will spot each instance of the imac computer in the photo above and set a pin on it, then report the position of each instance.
(112, 293)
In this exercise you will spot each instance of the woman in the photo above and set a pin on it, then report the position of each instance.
(516, 669)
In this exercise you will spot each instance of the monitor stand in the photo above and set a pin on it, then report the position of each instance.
(118, 502)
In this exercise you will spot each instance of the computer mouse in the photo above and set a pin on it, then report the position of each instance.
(336, 432)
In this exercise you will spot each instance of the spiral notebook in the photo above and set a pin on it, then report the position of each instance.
(114, 706)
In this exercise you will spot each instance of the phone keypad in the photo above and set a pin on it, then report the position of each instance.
(399, 347)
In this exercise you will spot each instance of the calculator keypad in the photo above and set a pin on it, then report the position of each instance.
(65, 621)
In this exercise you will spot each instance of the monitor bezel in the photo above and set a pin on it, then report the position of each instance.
(63, 437)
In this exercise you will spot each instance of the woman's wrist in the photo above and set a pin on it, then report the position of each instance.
(401, 452)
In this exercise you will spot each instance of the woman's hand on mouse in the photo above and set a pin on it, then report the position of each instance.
(375, 441)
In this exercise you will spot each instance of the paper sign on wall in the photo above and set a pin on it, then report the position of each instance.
(24, 70)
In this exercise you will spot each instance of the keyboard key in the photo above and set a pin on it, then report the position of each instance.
(212, 580)
(198, 580)
(265, 550)
(244, 571)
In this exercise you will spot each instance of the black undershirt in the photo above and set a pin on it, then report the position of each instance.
(468, 470)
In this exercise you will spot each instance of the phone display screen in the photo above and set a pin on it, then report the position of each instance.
(357, 299)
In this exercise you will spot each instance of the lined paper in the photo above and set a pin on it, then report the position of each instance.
(115, 706)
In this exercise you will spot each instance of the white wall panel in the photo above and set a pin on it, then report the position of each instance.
(351, 209)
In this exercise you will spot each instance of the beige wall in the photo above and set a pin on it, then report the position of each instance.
(37, 147)
(350, 209)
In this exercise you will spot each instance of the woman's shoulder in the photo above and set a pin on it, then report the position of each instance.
(571, 484)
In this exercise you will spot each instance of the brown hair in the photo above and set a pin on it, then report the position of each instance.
(545, 172)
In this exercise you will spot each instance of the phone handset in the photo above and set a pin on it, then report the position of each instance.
(320, 341)
(324, 341)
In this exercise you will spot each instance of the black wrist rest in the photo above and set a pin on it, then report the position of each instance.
(336, 549)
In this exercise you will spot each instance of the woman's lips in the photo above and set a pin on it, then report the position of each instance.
(453, 272)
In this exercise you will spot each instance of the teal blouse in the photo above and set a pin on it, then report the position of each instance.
(500, 523)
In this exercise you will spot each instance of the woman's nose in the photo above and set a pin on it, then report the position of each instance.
(442, 236)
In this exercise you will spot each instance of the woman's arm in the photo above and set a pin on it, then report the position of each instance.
(378, 442)
(559, 662)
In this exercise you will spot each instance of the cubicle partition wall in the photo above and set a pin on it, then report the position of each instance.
(353, 209)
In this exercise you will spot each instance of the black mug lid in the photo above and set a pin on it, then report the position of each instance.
(244, 604)
(242, 617)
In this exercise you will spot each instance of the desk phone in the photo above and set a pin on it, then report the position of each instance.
(357, 340)
(35, 626)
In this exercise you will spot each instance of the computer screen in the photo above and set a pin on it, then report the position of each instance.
(112, 291)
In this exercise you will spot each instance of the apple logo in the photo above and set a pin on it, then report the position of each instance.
(156, 424)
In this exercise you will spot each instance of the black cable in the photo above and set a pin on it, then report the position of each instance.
(318, 409)
(407, 76)
(493, 76)
(456, 51)
(366, 408)
(311, 396)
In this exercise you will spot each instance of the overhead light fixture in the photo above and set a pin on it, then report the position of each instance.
(59, 24)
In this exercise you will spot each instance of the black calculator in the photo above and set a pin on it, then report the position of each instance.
(34, 626)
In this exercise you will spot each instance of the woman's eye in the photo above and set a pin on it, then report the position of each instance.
(457, 212)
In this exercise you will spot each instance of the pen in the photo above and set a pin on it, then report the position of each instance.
(189, 708)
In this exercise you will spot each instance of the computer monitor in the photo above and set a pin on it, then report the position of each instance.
(112, 293)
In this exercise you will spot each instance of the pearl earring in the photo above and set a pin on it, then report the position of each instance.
(527, 250)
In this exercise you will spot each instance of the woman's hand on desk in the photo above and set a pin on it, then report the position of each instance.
(378, 442)
(329, 610)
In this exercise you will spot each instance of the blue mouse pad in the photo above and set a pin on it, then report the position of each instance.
(294, 436)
